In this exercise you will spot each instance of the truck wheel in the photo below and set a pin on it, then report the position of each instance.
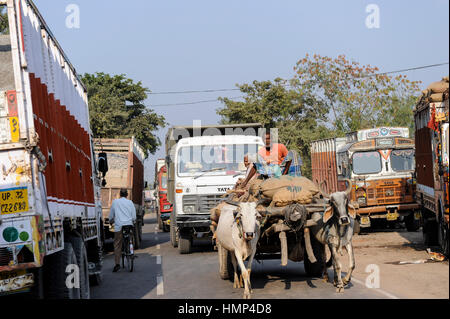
(356, 227)
(430, 233)
(160, 223)
(225, 265)
(55, 274)
(80, 251)
(411, 223)
(137, 242)
(185, 244)
(443, 236)
(165, 228)
(316, 269)
(173, 232)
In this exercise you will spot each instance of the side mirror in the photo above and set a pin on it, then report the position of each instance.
(103, 163)
(146, 185)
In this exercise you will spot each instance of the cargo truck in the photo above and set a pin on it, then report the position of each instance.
(203, 162)
(125, 170)
(380, 163)
(50, 216)
(432, 163)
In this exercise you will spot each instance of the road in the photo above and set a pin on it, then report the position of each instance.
(162, 273)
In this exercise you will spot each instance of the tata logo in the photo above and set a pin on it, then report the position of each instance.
(223, 189)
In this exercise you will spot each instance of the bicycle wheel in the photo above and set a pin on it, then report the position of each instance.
(128, 255)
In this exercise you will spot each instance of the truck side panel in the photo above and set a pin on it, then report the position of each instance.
(424, 155)
(323, 163)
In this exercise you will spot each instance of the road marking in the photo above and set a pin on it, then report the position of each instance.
(381, 291)
(159, 286)
(158, 259)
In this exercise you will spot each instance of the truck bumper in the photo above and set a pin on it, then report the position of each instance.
(402, 209)
(193, 220)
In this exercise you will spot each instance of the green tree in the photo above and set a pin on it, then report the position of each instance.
(297, 115)
(117, 110)
(4, 26)
(357, 96)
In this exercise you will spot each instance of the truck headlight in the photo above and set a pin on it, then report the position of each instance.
(189, 209)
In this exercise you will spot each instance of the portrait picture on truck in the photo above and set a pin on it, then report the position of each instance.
(49, 183)
(203, 163)
(380, 162)
(432, 162)
(125, 171)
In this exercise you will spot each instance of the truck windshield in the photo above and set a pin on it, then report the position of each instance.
(366, 163)
(402, 160)
(213, 159)
(164, 181)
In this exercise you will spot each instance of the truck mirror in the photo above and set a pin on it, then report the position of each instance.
(146, 184)
(103, 163)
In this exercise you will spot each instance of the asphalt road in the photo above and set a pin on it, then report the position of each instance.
(161, 272)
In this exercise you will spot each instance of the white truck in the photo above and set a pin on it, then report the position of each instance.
(49, 183)
(204, 162)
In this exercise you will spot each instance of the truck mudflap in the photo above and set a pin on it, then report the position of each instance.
(193, 220)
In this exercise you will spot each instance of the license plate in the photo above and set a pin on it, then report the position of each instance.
(391, 216)
(16, 281)
(14, 200)
(365, 220)
(417, 215)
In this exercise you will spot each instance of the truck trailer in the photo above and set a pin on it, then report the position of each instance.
(380, 164)
(204, 162)
(125, 171)
(432, 163)
(49, 186)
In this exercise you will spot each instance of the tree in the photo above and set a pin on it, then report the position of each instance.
(296, 114)
(117, 110)
(326, 98)
(4, 26)
(357, 96)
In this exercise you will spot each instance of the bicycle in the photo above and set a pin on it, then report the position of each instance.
(127, 248)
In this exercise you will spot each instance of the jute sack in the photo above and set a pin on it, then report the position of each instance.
(290, 195)
(436, 97)
(272, 185)
(438, 87)
(215, 212)
(253, 186)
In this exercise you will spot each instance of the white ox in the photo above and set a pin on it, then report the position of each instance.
(238, 233)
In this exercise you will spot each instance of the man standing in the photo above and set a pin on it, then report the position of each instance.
(122, 213)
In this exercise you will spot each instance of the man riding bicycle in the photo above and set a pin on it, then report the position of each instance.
(122, 213)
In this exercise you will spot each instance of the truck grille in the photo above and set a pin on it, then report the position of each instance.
(203, 203)
(6, 256)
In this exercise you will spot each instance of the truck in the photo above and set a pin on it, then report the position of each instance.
(149, 200)
(125, 171)
(163, 207)
(49, 186)
(380, 163)
(203, 163)
(431, 117)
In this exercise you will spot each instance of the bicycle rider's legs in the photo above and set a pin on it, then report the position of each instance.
(117, 247)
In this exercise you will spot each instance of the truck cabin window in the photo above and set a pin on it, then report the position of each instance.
(402, 160)
(214, 159)
(164, 181)
(366, 163)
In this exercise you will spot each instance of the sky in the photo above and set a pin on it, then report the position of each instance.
(179, 45)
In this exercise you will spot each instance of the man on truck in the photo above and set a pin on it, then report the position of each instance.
(122, 213)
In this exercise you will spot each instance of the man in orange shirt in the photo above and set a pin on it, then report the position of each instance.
(273, 154)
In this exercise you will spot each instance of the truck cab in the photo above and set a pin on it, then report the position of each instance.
(201, 170)
(164, 206)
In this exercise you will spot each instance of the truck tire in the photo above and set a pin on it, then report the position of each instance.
(443, 236)
(173, 232)
(356, 227)
(316, 269)
(185, 244)
(55, 274)
(137, 241)
(80, 251)
(226, 270)
(165, 228)
(160, 223)
(411, 223)
(430, 233)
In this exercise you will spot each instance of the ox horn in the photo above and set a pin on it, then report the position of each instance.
(350, 185)
(231, 202)
(322, 192)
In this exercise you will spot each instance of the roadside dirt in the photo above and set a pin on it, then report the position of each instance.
(386, 248)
